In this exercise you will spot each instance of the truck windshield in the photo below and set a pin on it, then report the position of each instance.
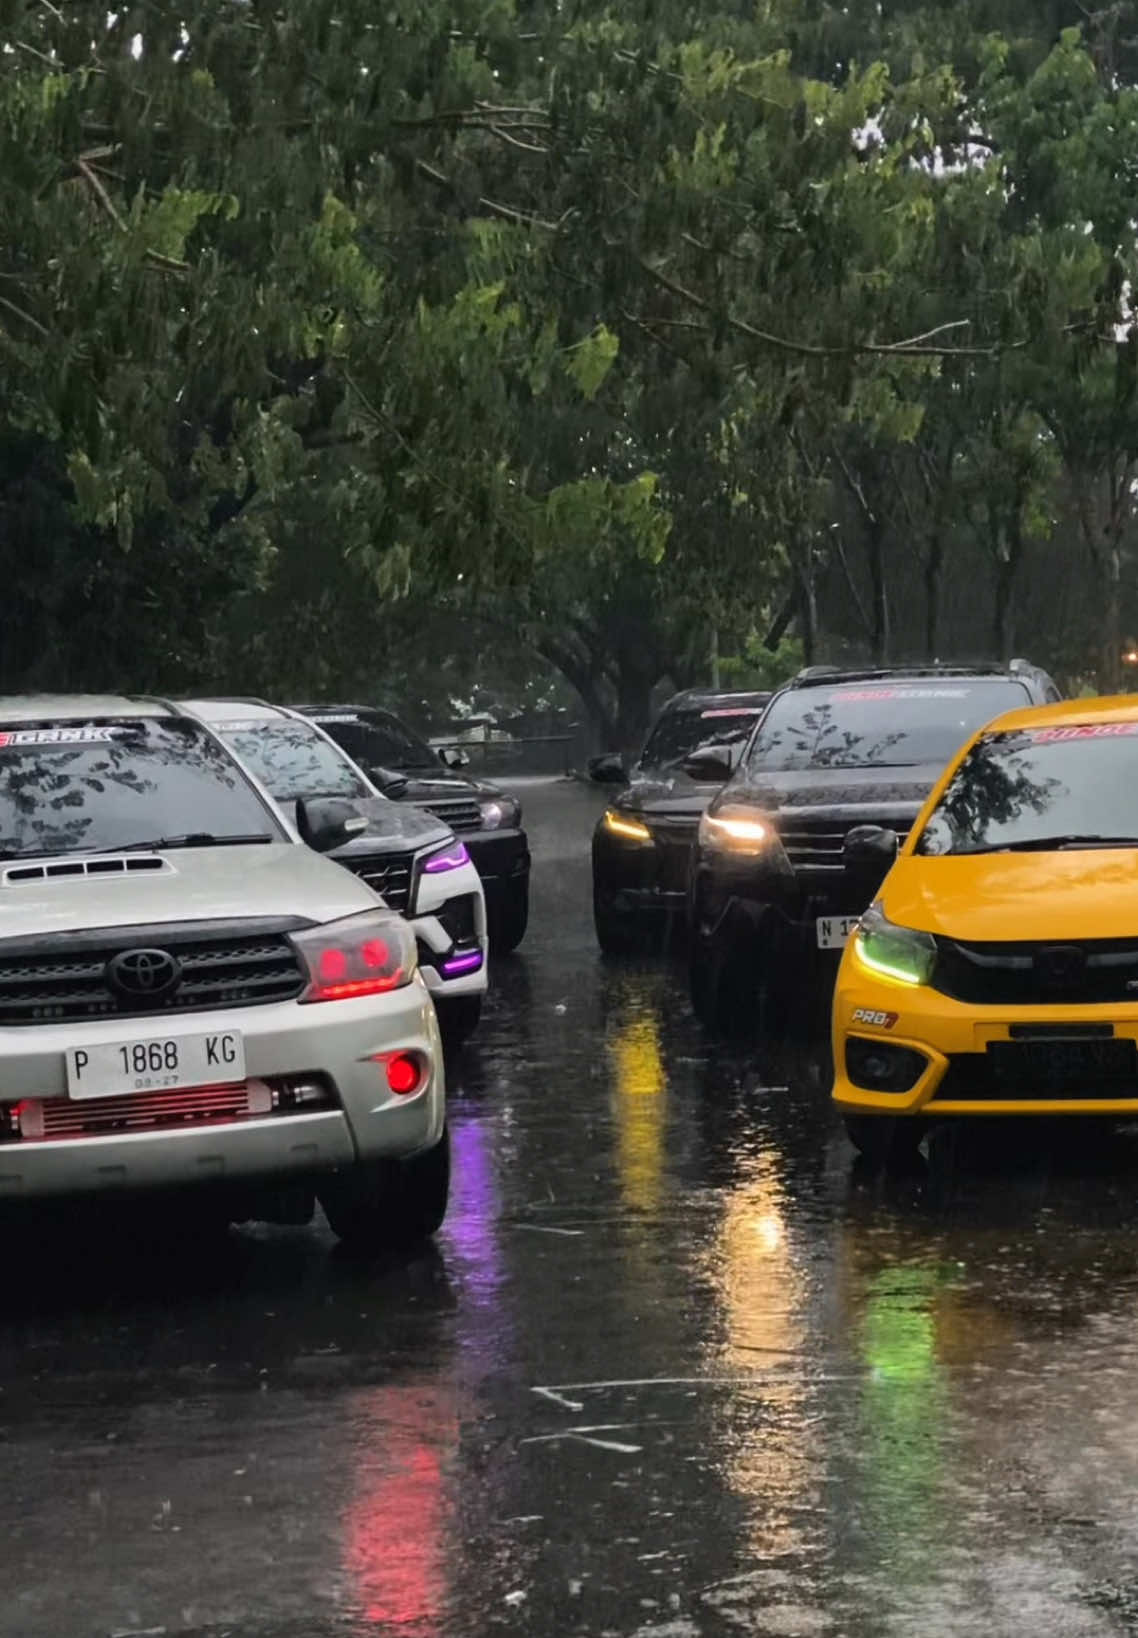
(1061, 787)
(94, 786)
(292, 760)
(379, 742)
(878, 725)
(678, 733)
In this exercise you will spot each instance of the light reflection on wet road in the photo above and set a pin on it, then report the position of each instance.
(674, 1371)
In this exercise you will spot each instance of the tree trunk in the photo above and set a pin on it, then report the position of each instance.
(880, 589)
(807, 610)
(1110, 676)
(934, 564)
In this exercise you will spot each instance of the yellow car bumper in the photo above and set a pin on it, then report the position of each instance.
(952, 1038)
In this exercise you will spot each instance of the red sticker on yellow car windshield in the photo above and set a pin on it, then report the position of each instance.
(877, 1020)
(1082, 730)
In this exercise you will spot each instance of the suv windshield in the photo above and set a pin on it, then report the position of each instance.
(878, 725)
(292, 759)
(1063, 787)
(379, 742)
(97, 786)
(678, 733)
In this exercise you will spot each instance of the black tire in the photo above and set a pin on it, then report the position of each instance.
(390, 1205)
(884, 1140)
(617, 935)
(727, 982)
(458, 1016)
(509, 919)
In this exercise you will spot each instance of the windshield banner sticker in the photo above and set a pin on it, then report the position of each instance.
(58, 736)
(1081, 730)
(725, 711)
(248, 725)
(900, 694)
(322, 718)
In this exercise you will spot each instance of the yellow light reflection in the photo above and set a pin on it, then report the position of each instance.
(639, 1089)
(762, 1302)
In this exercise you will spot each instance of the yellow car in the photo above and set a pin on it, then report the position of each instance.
(997, 971)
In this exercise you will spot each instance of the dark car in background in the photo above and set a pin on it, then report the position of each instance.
(793, 848)
(489, 822)
(642, 844)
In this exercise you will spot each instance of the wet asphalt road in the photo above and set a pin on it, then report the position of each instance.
(675, 1370)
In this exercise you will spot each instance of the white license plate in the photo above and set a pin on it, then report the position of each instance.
(834, 931)
(154, 1062)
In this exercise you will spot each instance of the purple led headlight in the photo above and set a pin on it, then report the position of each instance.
(468, 962)
(451, 857)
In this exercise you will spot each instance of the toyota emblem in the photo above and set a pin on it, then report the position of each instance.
(143, 975)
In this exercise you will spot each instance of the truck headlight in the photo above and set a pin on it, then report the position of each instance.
(625, 826)
(501, 813)
(900, 953)
(364, 954)
(737, 833)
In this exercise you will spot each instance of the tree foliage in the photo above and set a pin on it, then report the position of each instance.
(626, 335)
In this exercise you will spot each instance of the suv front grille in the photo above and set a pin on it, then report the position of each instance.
(1037, 974)
(463, 815)
(816, 844)
(673, 838)
(69, 981)
(388, 874)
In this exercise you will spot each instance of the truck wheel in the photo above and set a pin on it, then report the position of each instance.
(884, 1140)
(617, 935)
(458, 1016)
(726, 983)
(508, 920)
(390, 1205)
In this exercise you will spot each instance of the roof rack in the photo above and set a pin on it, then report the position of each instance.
(815, 675)
(239, 699)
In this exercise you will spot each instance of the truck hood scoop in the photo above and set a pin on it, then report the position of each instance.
(49, 870)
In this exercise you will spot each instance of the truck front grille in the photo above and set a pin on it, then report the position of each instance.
(70, 980)
(817, 844)
(388, 874)
(463, 815)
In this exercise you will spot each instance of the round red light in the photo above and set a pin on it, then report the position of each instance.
(333, 966)
(403, 1073)
(374, 952)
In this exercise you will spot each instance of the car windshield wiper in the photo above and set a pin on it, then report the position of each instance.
(192, 838)
(1047, 844)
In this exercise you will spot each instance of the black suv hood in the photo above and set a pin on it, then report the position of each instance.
(666, 791)
(392, 828)
(834, 788)
(425, 785)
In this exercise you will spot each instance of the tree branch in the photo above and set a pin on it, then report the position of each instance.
(910, 348)
(493, 206)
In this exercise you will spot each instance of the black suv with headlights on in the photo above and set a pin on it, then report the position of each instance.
(407, 769)
(642, 844)
(791, 851)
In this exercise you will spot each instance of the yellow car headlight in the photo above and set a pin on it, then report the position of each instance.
(625, 826)
(900, 953)
(738, 832)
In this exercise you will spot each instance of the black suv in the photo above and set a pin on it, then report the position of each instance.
(407, 769)
(642, 844)
(790, 852)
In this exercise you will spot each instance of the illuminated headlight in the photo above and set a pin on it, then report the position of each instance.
(737, 832)
(451, 856)
(623, 825)
(900, 953)
(501, 813)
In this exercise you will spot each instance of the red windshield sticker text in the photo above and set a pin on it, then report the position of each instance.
(900, 694)
(57, 736)
(1082, 730)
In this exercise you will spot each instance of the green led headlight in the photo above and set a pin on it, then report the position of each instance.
(900, 953)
